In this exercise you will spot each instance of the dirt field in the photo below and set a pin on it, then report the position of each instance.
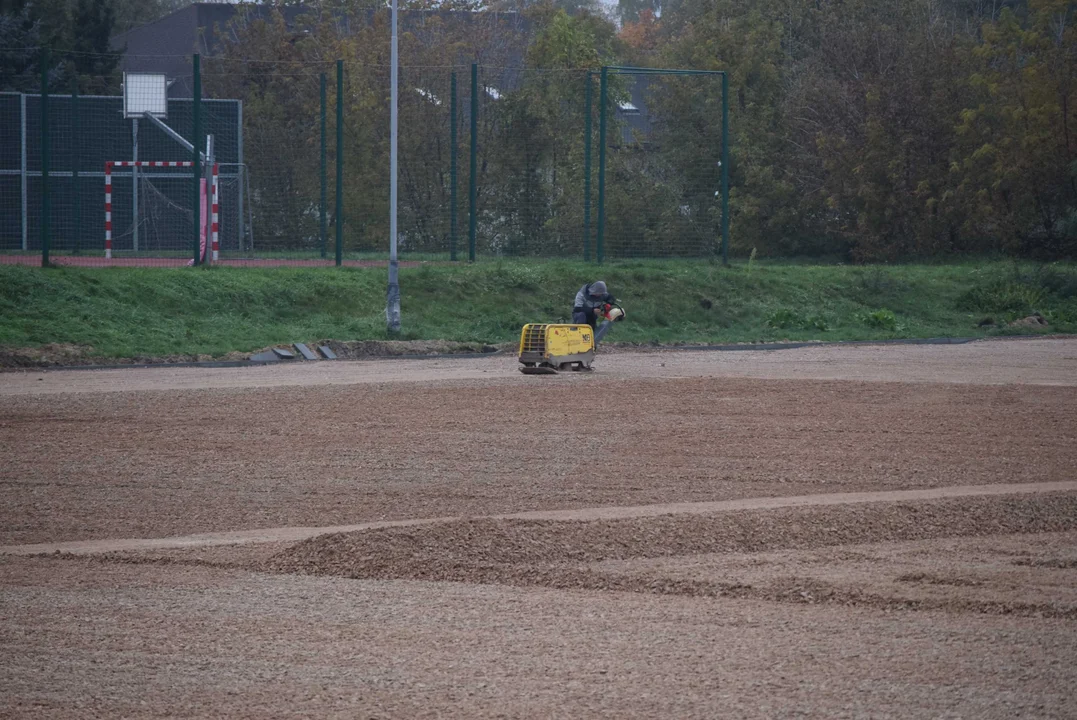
(884, 531)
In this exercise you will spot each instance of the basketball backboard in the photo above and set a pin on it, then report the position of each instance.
(145, 93)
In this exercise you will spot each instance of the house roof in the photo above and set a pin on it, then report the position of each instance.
(166, 45)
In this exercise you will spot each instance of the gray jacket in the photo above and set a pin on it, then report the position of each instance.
(587, 302)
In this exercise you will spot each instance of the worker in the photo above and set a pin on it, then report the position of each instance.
(590, 304)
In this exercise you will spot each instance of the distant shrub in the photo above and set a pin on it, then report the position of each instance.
(786, 319)
(1001, 296)
(879, 320)
(1056, 280)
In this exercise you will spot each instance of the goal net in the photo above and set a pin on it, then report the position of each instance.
(150, 211)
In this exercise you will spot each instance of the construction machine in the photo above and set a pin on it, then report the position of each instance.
(550, 348)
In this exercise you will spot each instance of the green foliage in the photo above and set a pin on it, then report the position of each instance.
(131, 311)
(78, 34)
(864, 130)
(1054, 279)
(785, 319)
(873, 132)
(879, 320)
(1015, 159)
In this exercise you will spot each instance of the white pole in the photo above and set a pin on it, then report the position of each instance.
(392, 304)
(134, 178)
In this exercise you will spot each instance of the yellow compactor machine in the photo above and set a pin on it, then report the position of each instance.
(550, 348)
(546, 349)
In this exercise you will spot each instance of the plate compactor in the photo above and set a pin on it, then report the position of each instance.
(549, 348)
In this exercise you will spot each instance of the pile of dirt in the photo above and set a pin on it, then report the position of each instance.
(558, 553)
(1032, 321)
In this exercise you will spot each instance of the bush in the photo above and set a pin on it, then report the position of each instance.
(879, 320)
(785, 319)
(1001, 296)
(1058, 281)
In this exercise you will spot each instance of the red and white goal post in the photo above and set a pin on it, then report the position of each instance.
(214, 201)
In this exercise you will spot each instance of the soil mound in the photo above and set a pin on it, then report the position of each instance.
(502, 550)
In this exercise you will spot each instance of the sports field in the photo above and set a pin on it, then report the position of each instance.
(835, 531)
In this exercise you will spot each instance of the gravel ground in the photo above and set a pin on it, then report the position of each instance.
(1031, 574)
(953, 607)
(96, 640)
(1051, 361)
(153, 463)
(571, 554)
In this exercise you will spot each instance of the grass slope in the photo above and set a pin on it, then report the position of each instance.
(134, 311)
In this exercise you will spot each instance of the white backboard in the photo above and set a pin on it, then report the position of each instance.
(145, 92)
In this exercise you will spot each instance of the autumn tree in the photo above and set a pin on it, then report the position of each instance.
(1017, 155)
(78, 35)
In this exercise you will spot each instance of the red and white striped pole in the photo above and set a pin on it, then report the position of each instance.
(214, 207)
(108, 211)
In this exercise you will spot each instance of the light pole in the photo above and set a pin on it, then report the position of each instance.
(392, 300)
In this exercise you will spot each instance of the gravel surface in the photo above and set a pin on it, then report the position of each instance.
(1032, 574)
(291, 535)
(83, 639)
(953, 607)
(144, 464)
(560, 554)
(1037, 361)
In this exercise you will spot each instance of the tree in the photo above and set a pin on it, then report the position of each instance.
(878, 102)
(92, 60)
(20, 38)
(1018, 152)
(77, 34)
(531, 140)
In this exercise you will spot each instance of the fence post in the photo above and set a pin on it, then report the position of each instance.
(76, 163)
(323, 228)
(454, 150)
(473, 180)
(24, 178)
(196, 144)
(340, 163)
(587, 173)
(242, 183)
(725, 168)
(602, 87)
(45, 157)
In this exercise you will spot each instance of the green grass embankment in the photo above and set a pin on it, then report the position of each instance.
(132, 311)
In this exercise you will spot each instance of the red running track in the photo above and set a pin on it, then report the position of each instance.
(92, 261)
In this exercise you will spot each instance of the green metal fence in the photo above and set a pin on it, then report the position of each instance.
(152, 210)
(493, 162)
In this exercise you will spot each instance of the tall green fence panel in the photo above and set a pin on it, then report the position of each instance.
(425, 178)
(530, 162)
(544, 184)
(269, 158)
(152, 213)
(663, 166)
(12, 177)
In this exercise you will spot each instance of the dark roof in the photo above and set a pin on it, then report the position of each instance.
(166, 45)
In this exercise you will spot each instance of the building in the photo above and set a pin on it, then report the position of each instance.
(166, 45)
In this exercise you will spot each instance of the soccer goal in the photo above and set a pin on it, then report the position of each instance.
(153, 213)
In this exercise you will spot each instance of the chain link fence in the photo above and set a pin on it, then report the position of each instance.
(493, 162)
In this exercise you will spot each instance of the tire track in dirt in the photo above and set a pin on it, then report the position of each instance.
(297, 534)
